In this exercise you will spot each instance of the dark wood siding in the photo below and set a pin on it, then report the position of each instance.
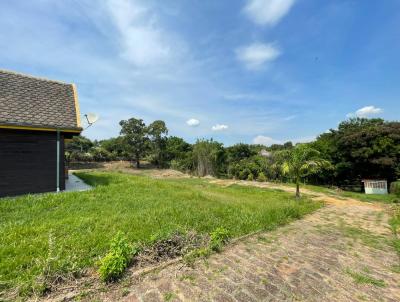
(28, 162)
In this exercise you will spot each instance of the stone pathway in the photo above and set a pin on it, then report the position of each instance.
(74, 183)
(340, 253)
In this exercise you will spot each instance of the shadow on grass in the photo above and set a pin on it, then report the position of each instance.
(96, 179)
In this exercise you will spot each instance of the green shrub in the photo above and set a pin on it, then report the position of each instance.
(112, 266)
(250, 177)
(114, 263)
(120, 245)
(395, 188)
(261, 177)
(218, 238)
(243, 174)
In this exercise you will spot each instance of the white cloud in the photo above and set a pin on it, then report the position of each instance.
(193, 122)
(366, 111)
(143, 42)
(265, 140)
(306, 139)
(256, 55)
(289, 118)
(219, 127)
(267, 12)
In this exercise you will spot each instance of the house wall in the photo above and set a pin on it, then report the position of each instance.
(375, 191)
(375, 186)
(28, 162)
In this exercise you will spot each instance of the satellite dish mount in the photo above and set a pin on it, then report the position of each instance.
(91, 118)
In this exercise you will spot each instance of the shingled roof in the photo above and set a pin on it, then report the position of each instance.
(37, 103)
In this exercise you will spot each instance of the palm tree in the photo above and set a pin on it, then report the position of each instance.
(301, 161)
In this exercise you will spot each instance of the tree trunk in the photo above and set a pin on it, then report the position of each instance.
(297, 190)
(137, 162)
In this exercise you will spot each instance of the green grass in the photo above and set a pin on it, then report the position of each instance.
(364, 236)
(63, 233)
(394, 223)
(387, 198)
(363, 278)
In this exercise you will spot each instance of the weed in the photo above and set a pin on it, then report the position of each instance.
(188, 277)
(117, 259)
(361, 278)
(218, 238)
(54, 269)
(395, 269)
(125, 292)
(262, 238)
(169, 296)
(192, 256)
(112, 266)
(365, 236)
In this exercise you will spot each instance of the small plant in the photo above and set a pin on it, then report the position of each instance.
(112, 266)
(191, 257)
(169, 296)
(250, 177)
(218, 238)
(120, 245)
(261, 177)
(117, 259)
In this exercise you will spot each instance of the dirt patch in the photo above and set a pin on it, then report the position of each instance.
(176, 245)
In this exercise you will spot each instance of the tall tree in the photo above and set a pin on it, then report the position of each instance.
(362, 148)
(177, 148)
(134, 132)
(208, 157)
(238, 152)
(158, 132)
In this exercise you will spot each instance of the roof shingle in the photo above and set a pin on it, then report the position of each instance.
(35, 102)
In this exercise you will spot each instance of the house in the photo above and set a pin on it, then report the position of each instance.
(373, 186)
(265, 153)
(36, 117)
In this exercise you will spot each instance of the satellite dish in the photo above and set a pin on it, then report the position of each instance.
(91, 118)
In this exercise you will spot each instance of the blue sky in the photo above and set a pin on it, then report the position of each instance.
(263, 71)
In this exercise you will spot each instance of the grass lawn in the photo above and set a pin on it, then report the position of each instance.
(388, 198)
(60, 233)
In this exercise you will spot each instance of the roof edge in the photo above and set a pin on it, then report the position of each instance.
(77, 109)
(40, 128)
(34, 77)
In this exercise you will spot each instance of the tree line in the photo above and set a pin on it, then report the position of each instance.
(359, 149)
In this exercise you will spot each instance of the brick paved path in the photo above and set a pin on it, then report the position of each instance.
(323, 257)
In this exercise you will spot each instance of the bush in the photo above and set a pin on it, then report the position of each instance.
(112, 266)
(114, 263)
(243, 168)
(250, 177)
(395, 188)
(261, 177)
(218, 238)
(120, 245)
